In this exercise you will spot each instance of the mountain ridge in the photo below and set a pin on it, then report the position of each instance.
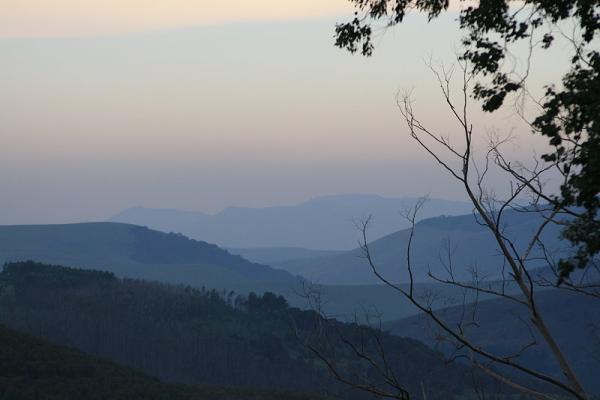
(132, 251)
(470, 243)
(112, 247)
(321, 223)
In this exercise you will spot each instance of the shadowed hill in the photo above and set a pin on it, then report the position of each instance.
(32, 369)
(193, 336)
(133, 251)
(137, 252)
(573, 318)
(471, 245)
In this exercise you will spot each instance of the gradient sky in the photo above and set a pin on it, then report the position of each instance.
(201, 104)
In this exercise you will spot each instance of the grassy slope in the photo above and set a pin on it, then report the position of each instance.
(131, 251)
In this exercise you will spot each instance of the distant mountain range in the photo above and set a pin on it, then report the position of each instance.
(470, 243)
(326, 223)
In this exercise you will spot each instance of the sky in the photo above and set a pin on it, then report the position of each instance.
(200, 105)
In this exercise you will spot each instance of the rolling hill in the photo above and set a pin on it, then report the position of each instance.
(281, 255)
(201, 337)
(471, 246)
(501, 328)
(321, 223)
(135, 252)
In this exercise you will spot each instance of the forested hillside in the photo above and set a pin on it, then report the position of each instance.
(195, 336)
(33, 369)
(141, 253)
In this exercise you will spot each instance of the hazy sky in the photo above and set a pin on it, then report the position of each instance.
(204, 104)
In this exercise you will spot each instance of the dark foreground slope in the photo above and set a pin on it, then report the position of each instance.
(501, 327)
(192, 336)
(32, 369)
(135, 252)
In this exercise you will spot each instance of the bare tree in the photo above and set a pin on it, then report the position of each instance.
(459, 161)
(520, 282)
(368, 350)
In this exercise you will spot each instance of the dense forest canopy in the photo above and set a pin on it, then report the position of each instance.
(198, 336)
(32, 369)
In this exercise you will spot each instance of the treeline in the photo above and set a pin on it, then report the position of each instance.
(203, 337)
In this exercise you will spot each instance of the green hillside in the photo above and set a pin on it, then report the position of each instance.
(201, 337)
(33, 369)
(135, 252)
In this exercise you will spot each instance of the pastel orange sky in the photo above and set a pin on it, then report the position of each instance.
(204, 104)
(40, 18)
